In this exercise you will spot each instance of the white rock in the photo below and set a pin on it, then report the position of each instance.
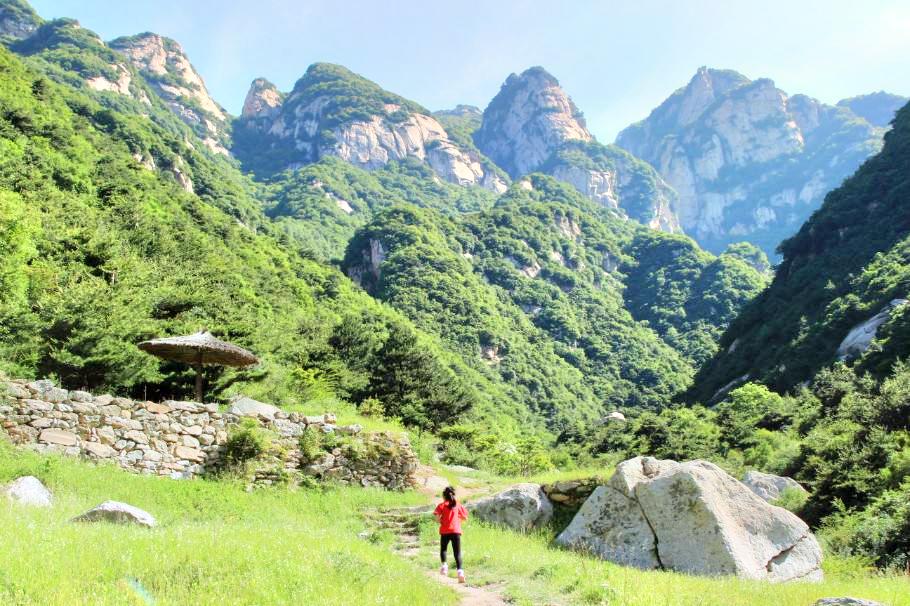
(846, 601)
(522, 507)
(243, 406)
(861, 336)
(28, 490)
(769, 486)
(694, 518)
(118, 513)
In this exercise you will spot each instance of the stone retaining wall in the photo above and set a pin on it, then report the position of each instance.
(184, 439)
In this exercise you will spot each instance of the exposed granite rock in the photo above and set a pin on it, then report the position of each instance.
(529, 119)
(17, 21)
(116, 512)
(861, 336)
(769, 486)
(522, 507)
(163, 63)
(694, 518)
(28, 490)
(334, 112)
(748, 161)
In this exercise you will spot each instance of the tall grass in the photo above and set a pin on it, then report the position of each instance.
(215, 544)
(529, 571)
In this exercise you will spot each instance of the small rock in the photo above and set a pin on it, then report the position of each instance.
(158, 409)
(117, 513)
(350, 429)
(846, 601)
(58, 436)
(83, 397)
(98, 449)
(28, 490)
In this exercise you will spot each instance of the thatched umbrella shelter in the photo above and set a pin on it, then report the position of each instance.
(198, 350)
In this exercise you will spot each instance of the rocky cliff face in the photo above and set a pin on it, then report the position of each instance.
(163, 63)
(17, 21)
(530, 118)
(748, 161)
(532, 125)
(334, 112)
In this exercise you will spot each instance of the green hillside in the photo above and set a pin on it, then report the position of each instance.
(845, 264)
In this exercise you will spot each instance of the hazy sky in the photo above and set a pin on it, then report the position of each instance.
(618, 60)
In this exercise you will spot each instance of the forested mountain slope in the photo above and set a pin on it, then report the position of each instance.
(543, 289)
(844, 266)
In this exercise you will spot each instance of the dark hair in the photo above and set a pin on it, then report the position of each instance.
(449, 495)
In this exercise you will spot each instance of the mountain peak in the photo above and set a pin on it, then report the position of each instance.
(877, 108)
(528, 120)
(262, 100)
(165, 65)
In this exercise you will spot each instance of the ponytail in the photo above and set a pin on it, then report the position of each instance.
(449, 495)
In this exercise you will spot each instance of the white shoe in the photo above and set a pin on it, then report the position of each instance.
(444, 570)
(461, 576)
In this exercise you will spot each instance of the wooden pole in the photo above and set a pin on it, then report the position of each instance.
(199, 378)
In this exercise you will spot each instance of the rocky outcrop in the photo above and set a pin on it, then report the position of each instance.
(527, 121)
(334, 112)
(262, 101)
(185, 439)
(115, 512)
(532, 125)
(522, 507)
(17, 21)
(571, 494)
(748, 161)
(693, 518)
(614, 178)
(769, 486)
(861, 336)
(164, 64)
(28, 490)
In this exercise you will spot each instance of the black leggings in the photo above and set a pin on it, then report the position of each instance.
(455, 540)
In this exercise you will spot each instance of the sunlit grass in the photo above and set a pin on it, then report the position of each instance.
(529, 570)
(215, 544)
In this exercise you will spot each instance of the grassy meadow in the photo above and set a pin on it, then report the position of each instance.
(216, 543)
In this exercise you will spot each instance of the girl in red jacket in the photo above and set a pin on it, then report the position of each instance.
(450, 514)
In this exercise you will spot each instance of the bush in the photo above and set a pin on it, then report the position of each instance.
(372, 407)
(312, 445)
(247, 442)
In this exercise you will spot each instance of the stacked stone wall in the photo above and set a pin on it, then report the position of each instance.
(185, 439)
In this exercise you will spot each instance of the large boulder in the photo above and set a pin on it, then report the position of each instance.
(117, 513)
(522, 507)
(695, 518)
(243, 406)
(769, 486)
(28, 490)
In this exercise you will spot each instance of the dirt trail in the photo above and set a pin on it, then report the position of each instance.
(405, 524)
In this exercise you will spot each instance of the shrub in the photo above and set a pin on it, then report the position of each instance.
(312, 445)
(372, 407)
(247, 442)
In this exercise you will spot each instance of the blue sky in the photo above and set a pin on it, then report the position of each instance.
(617, 60)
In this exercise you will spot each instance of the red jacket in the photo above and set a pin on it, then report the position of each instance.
(450, 517)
